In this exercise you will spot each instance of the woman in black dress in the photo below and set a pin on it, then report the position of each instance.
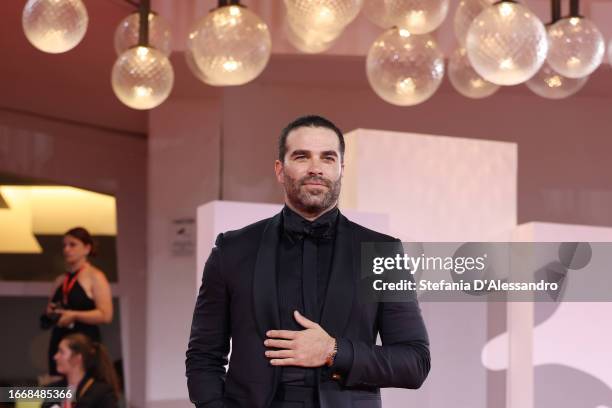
(81, 299)
(88, 373)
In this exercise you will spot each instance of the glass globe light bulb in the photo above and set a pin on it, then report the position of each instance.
(576, 47)
(309, 38)
(142, 77)
(466, 12)
(310, 42)
(467, 81)
(549, 84)
(126, 33)
(416, 16)
(330, 16)
(54, 26)
(506, 44)
(193, 67)
(232, 46)
(404, 69)
(190, 59)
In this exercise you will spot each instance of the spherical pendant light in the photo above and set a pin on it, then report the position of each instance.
(190, 59)
(310, 42)
(404, 69)
(142, 77)
(126, 33)
(467, 81)
(576, 47)
(313, 26)
(232, 46)
(416, 16)
(506, 43)
(549, 84)
(54, 26)
(466, 12)
(324, 15)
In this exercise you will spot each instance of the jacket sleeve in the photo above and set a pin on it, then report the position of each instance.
(403, 360)
(209, 341)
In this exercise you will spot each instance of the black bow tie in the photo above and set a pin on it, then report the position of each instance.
(299, 228)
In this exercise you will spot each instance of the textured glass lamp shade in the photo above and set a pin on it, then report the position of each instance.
(54, 26)
(507, 44)
(190, 59)
(232, 46)
(142, 77)
(466, 12)
(549, 84)
(404, 69)
(330, 16)
(126, 34)
(465, 80)
(576, 47)
(416, 16)
(310, 42)
(193, 67)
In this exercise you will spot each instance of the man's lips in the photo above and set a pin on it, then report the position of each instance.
(314, 183)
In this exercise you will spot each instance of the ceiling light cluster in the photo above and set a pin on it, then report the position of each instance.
(500, 43)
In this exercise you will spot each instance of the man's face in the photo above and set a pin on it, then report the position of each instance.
(312, 169)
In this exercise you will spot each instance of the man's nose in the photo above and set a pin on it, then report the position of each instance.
(315, 167)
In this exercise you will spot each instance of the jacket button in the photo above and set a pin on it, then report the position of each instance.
(336, 376)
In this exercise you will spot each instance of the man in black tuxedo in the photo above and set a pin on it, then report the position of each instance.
(285, 290)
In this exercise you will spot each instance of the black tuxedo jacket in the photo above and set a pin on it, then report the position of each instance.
(238, 300)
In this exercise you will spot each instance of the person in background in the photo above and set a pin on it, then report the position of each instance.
(81, 298)
(88, 372)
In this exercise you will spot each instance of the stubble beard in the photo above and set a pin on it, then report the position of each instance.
(312, 202)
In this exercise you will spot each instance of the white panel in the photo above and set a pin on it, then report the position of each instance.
(554, 342)
(438, 188)
(434, 188)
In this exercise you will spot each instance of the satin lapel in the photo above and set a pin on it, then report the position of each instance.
(264, 279)
(340, 290)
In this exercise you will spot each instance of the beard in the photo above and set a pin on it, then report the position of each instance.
(313, 201)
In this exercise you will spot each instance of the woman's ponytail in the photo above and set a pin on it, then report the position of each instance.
(96, 360)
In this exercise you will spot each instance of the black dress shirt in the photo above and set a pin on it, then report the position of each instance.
(304, 259)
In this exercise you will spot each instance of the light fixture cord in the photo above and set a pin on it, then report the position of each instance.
(143, 32)
(555, 13)
(574, 8)
(223, 3)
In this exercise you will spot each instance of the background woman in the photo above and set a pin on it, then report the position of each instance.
(88, 372)
(81, 299)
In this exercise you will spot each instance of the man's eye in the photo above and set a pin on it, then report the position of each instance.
(330, 158)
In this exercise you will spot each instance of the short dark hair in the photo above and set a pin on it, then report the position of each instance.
(308, 121)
